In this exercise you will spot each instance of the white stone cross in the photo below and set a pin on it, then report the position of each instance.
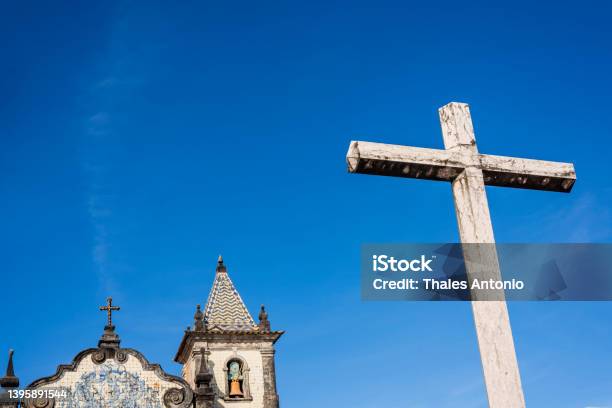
(469, 171)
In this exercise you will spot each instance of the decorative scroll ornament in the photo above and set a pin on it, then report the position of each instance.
(174, 397)
(43, 403)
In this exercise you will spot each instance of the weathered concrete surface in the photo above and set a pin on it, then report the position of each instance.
(446, 165)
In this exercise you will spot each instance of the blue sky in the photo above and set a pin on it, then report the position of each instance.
(140, 140)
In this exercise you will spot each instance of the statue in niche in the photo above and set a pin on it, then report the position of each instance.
(235, 379)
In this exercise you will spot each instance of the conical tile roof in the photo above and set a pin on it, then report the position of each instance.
(225, 310)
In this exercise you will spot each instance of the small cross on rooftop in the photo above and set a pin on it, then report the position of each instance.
(109, 308)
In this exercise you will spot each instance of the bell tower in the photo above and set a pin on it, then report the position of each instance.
(227, 358)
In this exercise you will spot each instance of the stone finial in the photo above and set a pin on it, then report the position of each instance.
(9, 380)
(203, 368)
(264, 323)
(203, 381)
(198, 319)
(220, 265)
(263, 315)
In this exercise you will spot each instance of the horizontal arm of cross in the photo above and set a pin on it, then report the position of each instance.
(445, 165)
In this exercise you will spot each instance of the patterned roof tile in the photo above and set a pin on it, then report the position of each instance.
(225, 309)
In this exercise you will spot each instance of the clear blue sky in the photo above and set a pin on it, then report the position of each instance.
(140, 140)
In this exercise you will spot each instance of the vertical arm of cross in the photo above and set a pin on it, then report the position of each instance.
(457, 128)
(499, 363)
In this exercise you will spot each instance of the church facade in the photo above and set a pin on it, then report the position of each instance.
(227, 358)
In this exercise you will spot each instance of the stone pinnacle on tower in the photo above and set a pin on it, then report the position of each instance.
(220, 266)
(9, 380)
